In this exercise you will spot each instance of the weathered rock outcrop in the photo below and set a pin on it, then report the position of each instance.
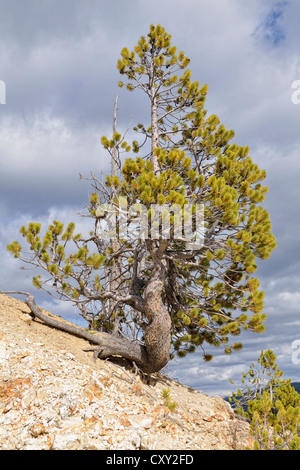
(54, 396)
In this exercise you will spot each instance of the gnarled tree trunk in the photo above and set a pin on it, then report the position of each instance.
(158, 330)
(151, 356)
(155, 353)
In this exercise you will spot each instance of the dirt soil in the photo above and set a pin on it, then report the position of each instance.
(53, 395)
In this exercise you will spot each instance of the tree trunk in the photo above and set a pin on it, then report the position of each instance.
(114, 275)
(155, 354)
(158, 331)
(154, 124)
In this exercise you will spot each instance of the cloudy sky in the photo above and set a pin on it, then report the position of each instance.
(58, 62)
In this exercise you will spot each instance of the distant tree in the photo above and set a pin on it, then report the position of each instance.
(271, 405)
(150, 297)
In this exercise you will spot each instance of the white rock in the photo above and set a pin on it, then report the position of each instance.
(65, 441)
(4, 355)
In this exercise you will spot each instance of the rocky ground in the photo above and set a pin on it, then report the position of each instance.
(54, 396)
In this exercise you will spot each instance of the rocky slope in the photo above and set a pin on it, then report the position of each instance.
(54, 396)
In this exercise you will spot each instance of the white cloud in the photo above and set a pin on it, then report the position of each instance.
(292, 299)
(44, 148)
(41, 159)
(11, 275)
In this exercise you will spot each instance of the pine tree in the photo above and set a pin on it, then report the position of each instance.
(152, 297)
(271, 405)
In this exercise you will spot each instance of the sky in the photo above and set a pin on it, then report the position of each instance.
(58, 65)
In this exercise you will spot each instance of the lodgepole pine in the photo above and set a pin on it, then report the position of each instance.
(157, 296)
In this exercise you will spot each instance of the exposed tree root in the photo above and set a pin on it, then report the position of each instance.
(108, 345)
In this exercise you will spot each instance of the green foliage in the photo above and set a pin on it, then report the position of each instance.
(166, 395)
(271, 405)
(211, 293)
(14, 248)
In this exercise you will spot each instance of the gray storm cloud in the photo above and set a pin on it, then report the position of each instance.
(58, 61)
